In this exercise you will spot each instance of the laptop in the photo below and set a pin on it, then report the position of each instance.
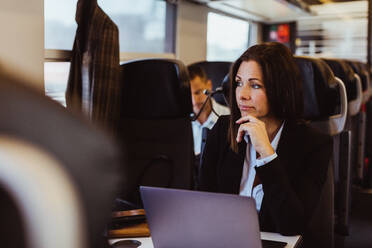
(184, 219)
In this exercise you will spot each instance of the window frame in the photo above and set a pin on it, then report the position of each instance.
(63, 55)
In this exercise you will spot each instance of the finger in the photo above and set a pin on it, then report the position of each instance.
(239, 136)
(244, 129)
(247, 118)
(241, 132)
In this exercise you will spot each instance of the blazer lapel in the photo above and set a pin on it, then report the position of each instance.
(287, 145)
(232, 173)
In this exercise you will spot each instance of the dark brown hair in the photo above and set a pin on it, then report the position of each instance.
(197, 71)
(281, 79)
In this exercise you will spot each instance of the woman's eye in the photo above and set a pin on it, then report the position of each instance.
(239, 84)
(256, 86)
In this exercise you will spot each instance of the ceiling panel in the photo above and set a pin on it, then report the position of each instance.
(344, 9)
(269, 11)
(262, 10)
(314, 2)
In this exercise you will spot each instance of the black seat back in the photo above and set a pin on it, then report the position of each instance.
(325, 107)
(155, 89)
(354, 89)
(155, 125)
(344, 71)
(362, 71)
(321, 93)
(359, 122)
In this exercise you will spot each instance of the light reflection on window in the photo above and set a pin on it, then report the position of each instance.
(56, 76)
(60, 25)
(141, 24)
(227, 37)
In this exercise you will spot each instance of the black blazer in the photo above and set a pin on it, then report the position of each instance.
(292, 182)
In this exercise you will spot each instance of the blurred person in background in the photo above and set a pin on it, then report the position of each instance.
(208, 115)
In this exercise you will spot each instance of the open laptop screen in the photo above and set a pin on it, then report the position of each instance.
(184, 219)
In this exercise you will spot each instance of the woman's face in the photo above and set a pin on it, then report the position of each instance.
(250, 91)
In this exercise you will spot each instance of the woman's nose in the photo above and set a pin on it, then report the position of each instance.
(245, 93)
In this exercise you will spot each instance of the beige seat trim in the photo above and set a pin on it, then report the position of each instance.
(45, 194)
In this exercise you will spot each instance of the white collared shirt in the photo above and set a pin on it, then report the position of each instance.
(249, 173)
(197, 128)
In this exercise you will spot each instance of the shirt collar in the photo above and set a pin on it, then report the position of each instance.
(212, 118)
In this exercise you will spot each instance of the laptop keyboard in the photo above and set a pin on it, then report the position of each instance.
(272, 244)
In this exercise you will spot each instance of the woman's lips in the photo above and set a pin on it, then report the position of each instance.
(245, 108)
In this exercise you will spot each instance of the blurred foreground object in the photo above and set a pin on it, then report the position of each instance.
(87, 156)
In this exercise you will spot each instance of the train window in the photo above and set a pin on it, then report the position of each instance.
(146, 29)
(60, 25)
(55, 76)
(227, 37)
(142, 26)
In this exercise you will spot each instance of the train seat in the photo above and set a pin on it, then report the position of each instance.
(155, 125)
(355, 97)
(361, 126)
(353, 85)
(349, 142)
(361, 70)
(325, 107)
(40, 204)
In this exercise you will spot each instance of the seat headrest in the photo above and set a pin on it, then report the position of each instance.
(344, 71)
(216, 71)
(320, 99)
(155, 89)
(360, 69)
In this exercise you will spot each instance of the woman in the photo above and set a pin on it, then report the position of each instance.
(262, 149)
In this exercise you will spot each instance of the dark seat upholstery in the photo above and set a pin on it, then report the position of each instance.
(367, 182)
(342, 149)
(344, 71)
(362, 71)
(155, 125)
(88, 157)
(325, 107)
(359, 125)
(216, 71)
(31, 183)
(12, 228)
(355, 96)
(321, 95)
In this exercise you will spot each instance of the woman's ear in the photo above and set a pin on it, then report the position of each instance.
(209, 85)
